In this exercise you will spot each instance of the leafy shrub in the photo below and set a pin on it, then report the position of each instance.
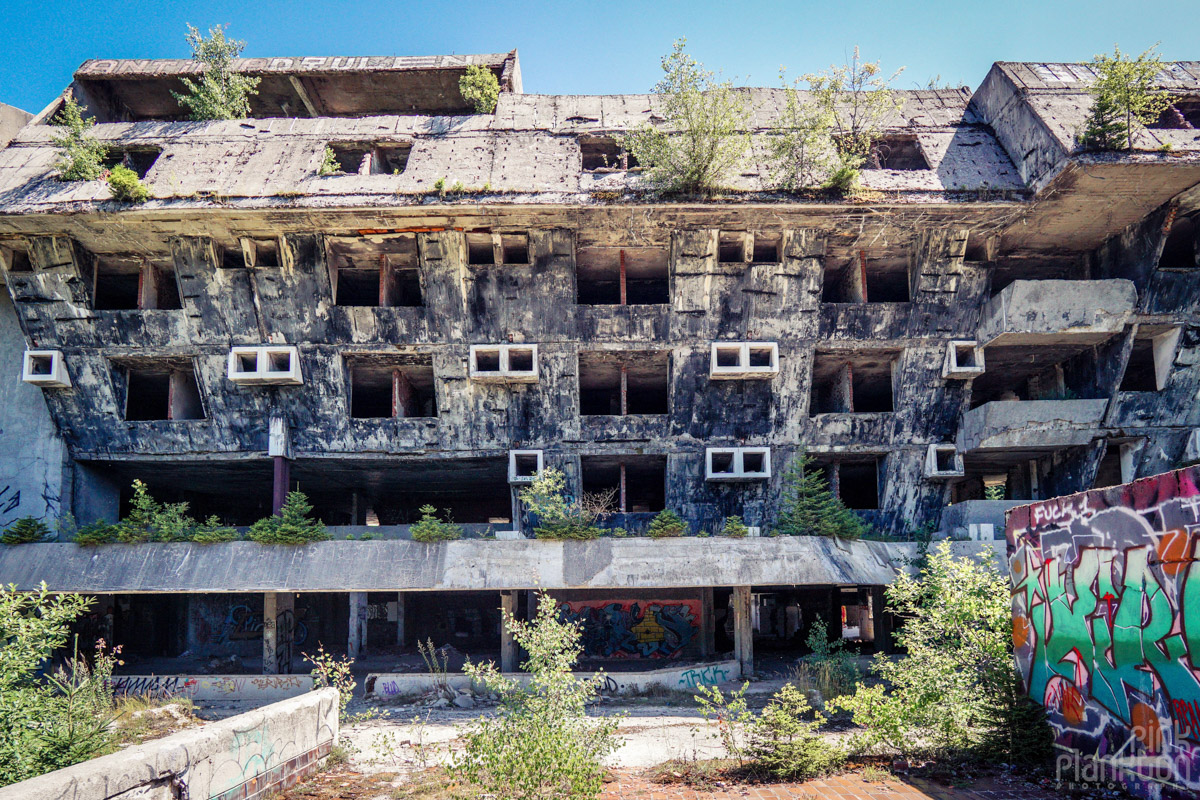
(559, 516)
(211, 531)
(801, 143)
(786, 745)
(480, 87)
(703, 138)
(125, 185)
(1123, 99)
(26, 530)
(330, 671)
(732, 716)
(431, 529)
(666, 523)
(47, 723)
(944, 696)
(329, 164)
(221, 92)
(858, 100)
(829, 670)
(291, 526)
(807, 507)
(734, 528)
(541, 744)
(80, 153)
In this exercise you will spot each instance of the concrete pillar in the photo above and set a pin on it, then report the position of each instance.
(743, 634)
(708, 623)
(279, 623)
(400, 619)
(357, 645)
(508, 647)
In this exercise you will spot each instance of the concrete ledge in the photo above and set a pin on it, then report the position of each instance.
(1052, 311)
(1030, 424)
(252, 755)
(356, 566)
(207, 688)
(970, 518)
(385, 685)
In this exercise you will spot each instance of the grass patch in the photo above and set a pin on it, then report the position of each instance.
(142, 718)
(873, 773)
(432, 784)
(698, 774)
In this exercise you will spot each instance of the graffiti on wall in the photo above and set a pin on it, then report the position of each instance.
(212, 687)
(634, 628)
(1106, 627)
(218, 624)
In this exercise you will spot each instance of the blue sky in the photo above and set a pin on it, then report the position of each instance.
(597, 48)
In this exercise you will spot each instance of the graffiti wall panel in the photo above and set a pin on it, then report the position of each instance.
(635, 628)
(1106, 627)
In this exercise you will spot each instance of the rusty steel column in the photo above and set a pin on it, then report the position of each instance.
(624, 295)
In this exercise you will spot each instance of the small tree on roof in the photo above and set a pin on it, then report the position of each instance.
(221, 93)
(809, 508)
(80, 153)
(1123, 99)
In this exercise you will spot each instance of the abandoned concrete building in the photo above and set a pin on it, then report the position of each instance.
(471, 298)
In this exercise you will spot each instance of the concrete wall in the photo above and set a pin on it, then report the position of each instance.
(251, 755)
(32, 462)
(1106, 625)
(218, 688)
(382, 686)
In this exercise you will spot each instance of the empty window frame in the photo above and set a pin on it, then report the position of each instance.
(16, 258)
(767, 248)
(858, 482)
(524, 466)
(162, 392)
(963, 361)
(867, 279)
(375, 272)
(625, 382)
(1182, 248)
(943, 461)
(635, 483)
(511, 363)
(732, 247)
(1150, 361)
(1182, 114)
(897, 152)
(132, 282)
(604, 154)
(622, 276)
(138, 159)
(486, 248)
(743, 360)
(264, 253)
(45, 368)
(386, 387)
(370, 158)
(857, 383)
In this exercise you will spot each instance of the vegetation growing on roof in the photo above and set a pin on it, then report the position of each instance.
(807, 506)
(125, 185)
(221, 93)
(480, 87)
(80, 153)
(1124, 100)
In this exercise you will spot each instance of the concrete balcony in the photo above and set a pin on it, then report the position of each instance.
(1056, 312)
(977, 520)
(1029, 425)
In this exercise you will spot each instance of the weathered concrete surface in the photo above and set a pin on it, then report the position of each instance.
(969, 518)
(1049, 311)
(340, 566)
(258, 689)
(1030, 424)
(12, 119)
(215, 761)
(386, 685)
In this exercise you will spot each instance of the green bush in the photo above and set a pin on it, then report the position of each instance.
(1123, 99)
(431, 529)
(80, 154)
(807, 507)
(211, 531)
(26, 530)
(786, 745)
(480, 87)
(559, 516)
(735, 528)
(666, 523)
(703, 137)
(329, 164)
(47, 723)
(291, 526)
(221, 93)
(125, 185)
(541, 744)
(97, 533)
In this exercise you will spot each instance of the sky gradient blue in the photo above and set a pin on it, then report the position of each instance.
(594, 48)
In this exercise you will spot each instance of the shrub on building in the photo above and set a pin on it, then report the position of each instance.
(703, 137)
(48, 722)
(221, 93)
(480, 87)
(807, 506)
(541, 744)
(125, 185)
(329, 164)
(25, 530)
(955, 695)
(291, 525)
(734, 528)
(559, 516)
(431, 529)
(1124, 100)
(666, 523)
(80, 153)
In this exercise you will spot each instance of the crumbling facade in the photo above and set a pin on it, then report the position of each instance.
(471, 298)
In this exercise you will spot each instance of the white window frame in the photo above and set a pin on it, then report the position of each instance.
(739, 472)
(263, 374)
(513, 455)
(56, 378)
(505, 373)
(743, 370)
(931, 462)
(952, 369)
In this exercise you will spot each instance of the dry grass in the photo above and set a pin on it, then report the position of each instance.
(432, 784)
(142, 718)
(698, 773)
(341, 783)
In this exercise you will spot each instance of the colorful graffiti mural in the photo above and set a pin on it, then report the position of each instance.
(634, 628)
(1106, 627)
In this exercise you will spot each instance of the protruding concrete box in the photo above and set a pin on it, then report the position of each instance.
(1050, 312)
(1030, 424)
